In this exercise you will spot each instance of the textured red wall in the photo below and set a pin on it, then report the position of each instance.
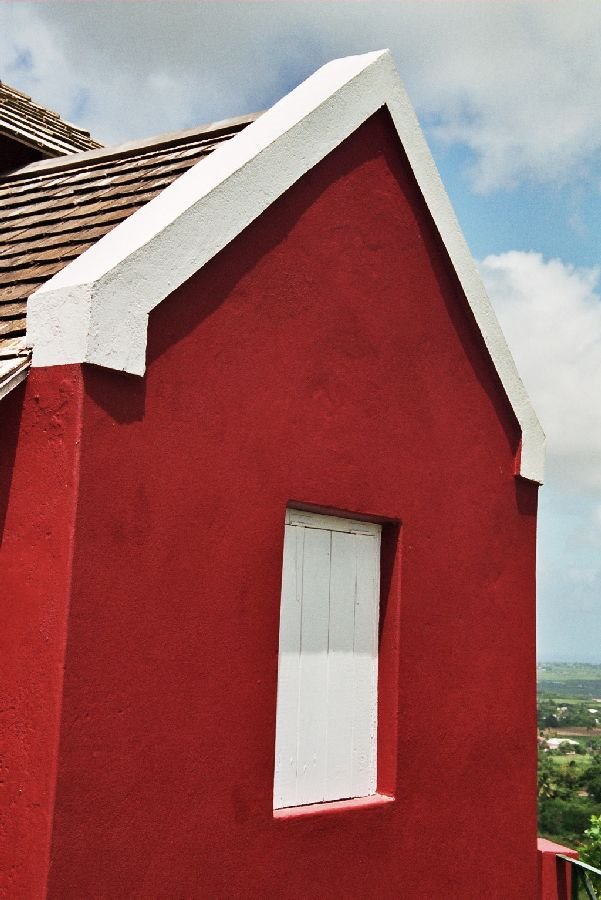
(327, 356)
(39, 431)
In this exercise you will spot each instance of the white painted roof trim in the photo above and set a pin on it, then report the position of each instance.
(13, 372)
(96, 309)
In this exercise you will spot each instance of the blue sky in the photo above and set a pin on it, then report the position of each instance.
(507, 93)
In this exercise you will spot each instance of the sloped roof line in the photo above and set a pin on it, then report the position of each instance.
(209, 132)
(96, 309)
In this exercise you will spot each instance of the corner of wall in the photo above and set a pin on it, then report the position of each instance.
(36, 551)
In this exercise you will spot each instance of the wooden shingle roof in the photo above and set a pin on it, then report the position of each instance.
(54, 210)
(26, 122)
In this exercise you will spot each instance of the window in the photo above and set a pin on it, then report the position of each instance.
(326, 721)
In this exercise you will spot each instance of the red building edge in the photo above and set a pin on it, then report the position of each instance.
(554, 873)
(326, 357)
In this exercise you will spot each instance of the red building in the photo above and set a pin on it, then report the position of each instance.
(268, 485)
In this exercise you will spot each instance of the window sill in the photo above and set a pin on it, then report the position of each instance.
(333, 807)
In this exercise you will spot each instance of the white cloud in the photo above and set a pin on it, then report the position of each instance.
(551, 315)
(516, 83)
(518, 88)
(569, 577)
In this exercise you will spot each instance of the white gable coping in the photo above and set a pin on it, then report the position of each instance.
(96, 309)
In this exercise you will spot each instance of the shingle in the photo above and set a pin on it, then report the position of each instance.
(14, 347)
(12, 309)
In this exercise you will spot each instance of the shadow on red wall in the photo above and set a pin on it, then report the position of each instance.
(12, 407)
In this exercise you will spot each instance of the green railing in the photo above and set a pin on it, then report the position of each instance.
(586, 880)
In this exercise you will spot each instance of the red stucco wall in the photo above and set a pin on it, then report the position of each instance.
(39, 432)
(327, 357)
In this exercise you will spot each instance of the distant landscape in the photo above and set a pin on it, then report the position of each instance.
(582, 680)
(569, 753)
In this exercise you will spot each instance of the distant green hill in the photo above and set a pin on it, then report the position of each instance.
(581, 680)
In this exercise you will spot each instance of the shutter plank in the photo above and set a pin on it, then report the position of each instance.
(286, 743)
(313, 708)
(340, 666)
(365, 660)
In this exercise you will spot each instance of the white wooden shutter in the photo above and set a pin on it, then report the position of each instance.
(326, 722)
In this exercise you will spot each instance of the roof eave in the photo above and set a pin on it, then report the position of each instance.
(13, 372)
(77, 159)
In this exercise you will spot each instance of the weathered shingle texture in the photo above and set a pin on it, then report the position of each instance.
(35, 126)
